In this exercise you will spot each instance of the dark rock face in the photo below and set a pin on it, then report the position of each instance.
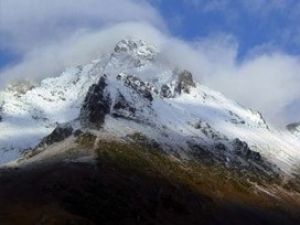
(144, 89)
(208, 131)
(77, 133)
(242, 149)
(60, 133)
(220, 146)
(185, 81)
(96, 105)
(236, 119)
(293, 127)
(122, 103)
(240, 159)
(1, 109)
(202, 153)
(123, 108)
(263, 121)
(165, 91)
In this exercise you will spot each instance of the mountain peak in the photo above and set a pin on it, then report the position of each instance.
(135, 45)
(20, 87)
(131, 91)
(136, 49)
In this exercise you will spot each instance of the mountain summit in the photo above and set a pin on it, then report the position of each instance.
(130, 139)
(130, 91)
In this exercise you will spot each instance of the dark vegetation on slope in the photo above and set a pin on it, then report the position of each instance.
(136, 184)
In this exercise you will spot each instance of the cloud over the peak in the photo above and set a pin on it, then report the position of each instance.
(32, 23)
(79, 48)
(52, 35)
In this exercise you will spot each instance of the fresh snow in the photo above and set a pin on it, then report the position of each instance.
(28, 116)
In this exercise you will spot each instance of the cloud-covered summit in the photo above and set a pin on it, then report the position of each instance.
(51, 35)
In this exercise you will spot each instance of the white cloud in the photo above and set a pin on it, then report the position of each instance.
(55, 34)
(80, 48)
(267, 81)
(25, 24)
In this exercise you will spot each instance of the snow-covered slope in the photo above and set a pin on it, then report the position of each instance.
(141, 94)
(28, 115)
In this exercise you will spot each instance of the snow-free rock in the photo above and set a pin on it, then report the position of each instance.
(144, 89)
(242, 149)
(122, 107)
(95, 106)
(139, 93)
(60, 133)
(165, 91)
(185, 82)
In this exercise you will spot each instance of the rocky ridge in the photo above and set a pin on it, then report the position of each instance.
(115, 95)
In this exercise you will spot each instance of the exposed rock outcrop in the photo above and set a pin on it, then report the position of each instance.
(144, 89)
(96, 105)
(20, 88)
(122, 108)
(165, 91)
(208, 131)
(60, 133)
(235, 155)
(1, 111)
(137, 49)
(293, 127)
(185, 82)
(242, 149)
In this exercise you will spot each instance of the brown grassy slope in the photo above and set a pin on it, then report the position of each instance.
(136, 184)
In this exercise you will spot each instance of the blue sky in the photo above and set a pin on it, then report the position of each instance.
(251, 45)
(255, 24)
(7, 57)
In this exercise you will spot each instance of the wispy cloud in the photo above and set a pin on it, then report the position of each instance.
(79, 48)
(34, 23)
(64, 33)
(267, 81)
(278, 20)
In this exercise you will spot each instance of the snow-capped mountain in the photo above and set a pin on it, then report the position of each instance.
(131, 90)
